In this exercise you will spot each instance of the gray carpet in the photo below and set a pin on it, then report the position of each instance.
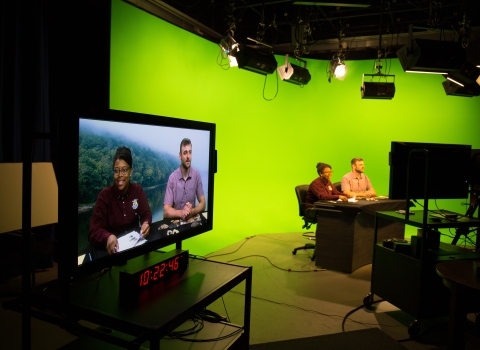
(363, 339)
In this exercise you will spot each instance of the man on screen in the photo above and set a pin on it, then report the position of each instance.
(183, 187)
(356, 183)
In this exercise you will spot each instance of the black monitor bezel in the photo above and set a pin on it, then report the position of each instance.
(398, 162)
(68, 189)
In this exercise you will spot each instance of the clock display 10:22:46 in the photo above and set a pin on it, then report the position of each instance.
(159, 271)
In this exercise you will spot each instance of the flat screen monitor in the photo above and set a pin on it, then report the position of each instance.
(448, 170)
(87, 151)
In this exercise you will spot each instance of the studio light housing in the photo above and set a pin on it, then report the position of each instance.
(336, 68)
(468, 74)
(431, 56)
(453, 89)
(229, 48)
(255, 60)
(294, 74)
(378, 90)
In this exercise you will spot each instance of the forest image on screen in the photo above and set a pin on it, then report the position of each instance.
(155, 155)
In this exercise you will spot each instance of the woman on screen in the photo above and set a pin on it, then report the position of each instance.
(120, 208)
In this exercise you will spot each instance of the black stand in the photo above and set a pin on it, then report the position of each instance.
(465, 231)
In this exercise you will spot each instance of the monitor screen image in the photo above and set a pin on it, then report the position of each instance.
(117, 194)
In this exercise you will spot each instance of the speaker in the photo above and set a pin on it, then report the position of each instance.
(377, 90)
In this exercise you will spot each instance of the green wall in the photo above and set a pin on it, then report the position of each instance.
(266, 148)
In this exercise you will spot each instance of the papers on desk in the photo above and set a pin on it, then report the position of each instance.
(350, 200)
(130, 240)
(353, 200)
(81, 258)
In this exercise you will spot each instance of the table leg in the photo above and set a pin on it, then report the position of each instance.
(457, 319)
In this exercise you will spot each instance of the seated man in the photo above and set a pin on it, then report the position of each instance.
(356, 183)
(322, 188)
(184, 185)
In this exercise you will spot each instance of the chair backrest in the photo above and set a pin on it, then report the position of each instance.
(301, 191)
(338, 186)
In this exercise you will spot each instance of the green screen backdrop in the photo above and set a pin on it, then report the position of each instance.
(267, 147)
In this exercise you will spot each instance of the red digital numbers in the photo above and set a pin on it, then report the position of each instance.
(159, 271)
(145, 278)
(162, 269)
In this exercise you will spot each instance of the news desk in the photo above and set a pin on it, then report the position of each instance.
(345, 232)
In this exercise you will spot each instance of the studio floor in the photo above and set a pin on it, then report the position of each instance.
(291, 298)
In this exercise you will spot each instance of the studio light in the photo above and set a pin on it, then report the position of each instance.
(454, 89)
(337, 68)
(294, 74)
(380, 90)
(229, 48)
(255, 60)
(468, 74)
(431, 56)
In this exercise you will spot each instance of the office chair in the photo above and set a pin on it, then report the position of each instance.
(338, 186)
(309, 217)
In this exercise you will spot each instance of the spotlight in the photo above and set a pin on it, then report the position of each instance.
(294, 74)
(229, 47)
(336, 68)
(378, 90)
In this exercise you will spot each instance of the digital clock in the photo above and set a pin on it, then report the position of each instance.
(147, 270)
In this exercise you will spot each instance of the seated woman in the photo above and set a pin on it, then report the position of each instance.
(321, 188)
(120, 208)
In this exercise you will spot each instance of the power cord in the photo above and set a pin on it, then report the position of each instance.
(260, 256)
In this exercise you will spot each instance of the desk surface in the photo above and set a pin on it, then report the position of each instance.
(417, 220)
(460, 272)
(158, 230)
(367, 206)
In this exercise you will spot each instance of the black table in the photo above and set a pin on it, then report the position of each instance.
(459, 276)
(345, 232)
(410, 281)
(148, 315)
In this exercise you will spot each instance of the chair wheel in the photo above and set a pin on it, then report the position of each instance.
(414, 329)
(368, 301)
(294, 252)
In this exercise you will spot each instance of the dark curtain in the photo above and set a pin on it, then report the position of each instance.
(24, 100)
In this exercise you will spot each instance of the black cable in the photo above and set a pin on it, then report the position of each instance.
(278, 267)
(248, 256)
(355, 310)
(226, 311)
(265, 84)
(236, 250)
(317, 312)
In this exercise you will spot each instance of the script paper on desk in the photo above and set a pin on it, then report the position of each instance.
(130, 240)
